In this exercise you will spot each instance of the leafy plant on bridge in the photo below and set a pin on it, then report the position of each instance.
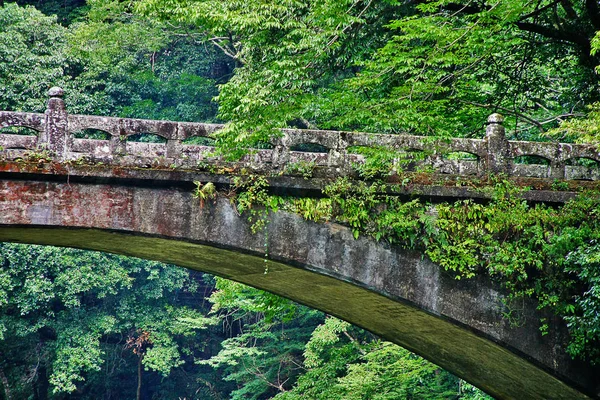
(539, 251)
(549, 253)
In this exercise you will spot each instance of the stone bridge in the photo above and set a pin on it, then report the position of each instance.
(136, 199)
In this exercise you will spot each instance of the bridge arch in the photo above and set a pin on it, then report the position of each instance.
(392, 292)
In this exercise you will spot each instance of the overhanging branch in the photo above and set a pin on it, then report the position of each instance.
(593, 12)
(561, 35)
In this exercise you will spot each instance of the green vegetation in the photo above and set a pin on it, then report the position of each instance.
(430, 67)
(94, 325)
(329, 358)
(549, 253)
(28, 67)
(85, 324)
(68, 319)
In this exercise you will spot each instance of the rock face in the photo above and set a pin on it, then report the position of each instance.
(392, 292)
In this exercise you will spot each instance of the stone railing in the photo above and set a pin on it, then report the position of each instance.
(57, 137)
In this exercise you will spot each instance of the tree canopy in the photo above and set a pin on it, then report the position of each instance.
(429, 67)
(83, 324)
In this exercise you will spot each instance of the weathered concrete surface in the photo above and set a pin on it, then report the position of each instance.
(493, 154)
(394, 293)
(429, 186)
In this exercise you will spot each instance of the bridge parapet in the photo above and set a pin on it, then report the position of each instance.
(56, 135)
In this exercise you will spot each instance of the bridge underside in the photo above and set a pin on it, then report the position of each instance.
(393, 293)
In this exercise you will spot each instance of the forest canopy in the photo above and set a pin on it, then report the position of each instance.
(91, 325)
(426, 67)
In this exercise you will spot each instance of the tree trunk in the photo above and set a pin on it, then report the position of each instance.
(139, 385)
(6, 389)
(41, 384)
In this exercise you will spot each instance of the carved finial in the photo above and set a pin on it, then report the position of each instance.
(56, 92)
(495, 119)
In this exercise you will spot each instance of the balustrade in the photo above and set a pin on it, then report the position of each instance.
(493, 154)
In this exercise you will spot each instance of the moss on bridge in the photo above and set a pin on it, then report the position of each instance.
(392, 292)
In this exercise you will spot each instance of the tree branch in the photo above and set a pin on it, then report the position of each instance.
(561, 118)
(540, 10)
(548, 32)
(3, 379)
(593, 12)
(508, 110)
(569, 10)
(463, 8)
(355, 343)
(226, 51)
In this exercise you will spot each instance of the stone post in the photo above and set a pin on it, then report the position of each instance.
(118, 143)
(338, 155)
(56, 134)
(174, 149)
(498, 159)
(280, 155)
(557, 170)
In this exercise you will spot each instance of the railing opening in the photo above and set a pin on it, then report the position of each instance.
(583, 162)
(310, 148)
(199, 141)
(531, 160)
(18, 130)
(95, 134)
(146, 138)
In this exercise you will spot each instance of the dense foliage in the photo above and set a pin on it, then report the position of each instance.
(109, 63)
(95, 325)
(69, 316)
(89, 325)
(431, 67)
(292, 352)
(32, 57)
